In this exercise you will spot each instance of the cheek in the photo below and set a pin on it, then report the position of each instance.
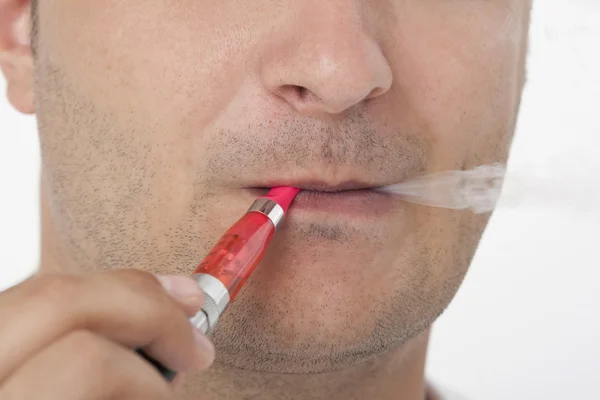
(461, 81)
(168, 63)
(144, 77)
(440, 255)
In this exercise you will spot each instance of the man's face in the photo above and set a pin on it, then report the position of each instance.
(158, 119)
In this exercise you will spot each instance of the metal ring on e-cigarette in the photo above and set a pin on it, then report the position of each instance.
(270, 208)
(216, 299)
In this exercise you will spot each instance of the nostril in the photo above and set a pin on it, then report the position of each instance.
(302, 92)
(293, 92)
(296, 94)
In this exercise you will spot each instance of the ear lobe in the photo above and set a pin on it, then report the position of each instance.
(18, 70)
(16, 60)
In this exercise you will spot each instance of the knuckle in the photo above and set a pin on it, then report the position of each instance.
(140, 280)
(154, 302)
(57, 289)
(89, 354)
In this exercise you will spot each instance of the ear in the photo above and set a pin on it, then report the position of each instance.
(16, 59)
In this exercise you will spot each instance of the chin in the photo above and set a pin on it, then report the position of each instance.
(302, 341)
(304, 325)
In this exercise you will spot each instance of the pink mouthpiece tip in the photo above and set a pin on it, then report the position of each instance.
(283, 195)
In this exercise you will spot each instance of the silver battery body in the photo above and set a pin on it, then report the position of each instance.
(216, 295)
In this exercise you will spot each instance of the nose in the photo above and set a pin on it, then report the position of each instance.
(323, 60)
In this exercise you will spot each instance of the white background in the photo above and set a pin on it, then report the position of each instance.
(526, 323)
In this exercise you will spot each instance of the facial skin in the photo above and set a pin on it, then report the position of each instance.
(156, 117)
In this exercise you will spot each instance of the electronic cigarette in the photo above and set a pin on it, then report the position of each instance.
(230, 263)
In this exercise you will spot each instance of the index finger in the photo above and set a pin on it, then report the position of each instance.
(128, 307)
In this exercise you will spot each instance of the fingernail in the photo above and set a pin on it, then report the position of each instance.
(205, 350)
(180, 287)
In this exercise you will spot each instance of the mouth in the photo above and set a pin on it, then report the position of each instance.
(348, 199)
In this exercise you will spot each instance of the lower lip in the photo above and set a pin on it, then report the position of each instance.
(365, 203)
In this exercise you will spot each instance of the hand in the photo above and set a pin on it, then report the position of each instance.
(68, 337)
